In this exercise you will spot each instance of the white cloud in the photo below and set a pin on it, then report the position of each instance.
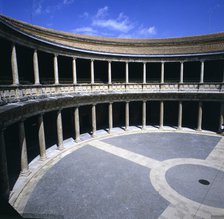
(102, 12)
(121, 23)
(40, 7)
(85, 30)
(120, 26)
(68, 2)
(84, 15)
(147, 31)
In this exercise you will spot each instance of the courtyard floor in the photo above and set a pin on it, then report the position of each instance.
(133, 175)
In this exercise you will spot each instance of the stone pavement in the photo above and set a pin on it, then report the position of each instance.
(133, 175)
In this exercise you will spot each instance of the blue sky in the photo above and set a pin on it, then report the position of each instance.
(123, 19)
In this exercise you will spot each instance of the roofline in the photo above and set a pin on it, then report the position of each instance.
(179, 40)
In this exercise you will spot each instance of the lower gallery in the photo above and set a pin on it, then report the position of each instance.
(94, 127)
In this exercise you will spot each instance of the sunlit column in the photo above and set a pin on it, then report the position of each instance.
(202, 72)
(41, 137)
(36, 68)
(180, 115)
(199, 116)
(23, 147)
(4, 185)
(161, 114)
(162, 71)
(56, 80)
(92, 71)
(109, 72)
(126, 73)
(144, 73)
(126, 115)
(77, 127)
(74, 72)
(15, 75)
(181, 72)
(221, 114)
(143, 114)
(110, 114)
(59, 130)
(93, 120)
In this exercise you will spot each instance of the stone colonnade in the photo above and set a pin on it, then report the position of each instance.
(41, 132)
(15, 73)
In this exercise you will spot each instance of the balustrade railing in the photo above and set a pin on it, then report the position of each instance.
(15, 93)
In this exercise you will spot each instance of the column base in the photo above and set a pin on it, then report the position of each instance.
(198, 129)
(60, 148)
(25, 172)
(77, 140)
(43, 158)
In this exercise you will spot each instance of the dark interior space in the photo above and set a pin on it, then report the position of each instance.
(102, 116)
(135, 72)
(12, 153)
(153, 72)
(214, 71)
(31, 130)
(67, 123)
(85, 119)
(65, 70)
(192, 71)
(101, 71)
(118, 72)
(83, 70)
(25, 64)
(5, 62)
(118, 114)
(172, 72)
(46, 67)
(135, 113)
(153, 113)
(171, 113)
(190, 114)
(210, 116)
(50, 126)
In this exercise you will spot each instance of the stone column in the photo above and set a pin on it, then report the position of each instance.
(56, 79)
(74, 73)
(161, 114)
(59, 130)
(143, 114)
(41, 137)
(36, 68)
(181, 72)
(4, 185)
(109, 73)
(199, 116)
(14, 65)
(202, 72)
(126, 73)
(180, 115)
(144, 73)
(126, 116)
(162, 72)
(221, 114)
(92, 71)
(23, 147)
(110, 116)
(77, 127)
(223, 74)
(93, 120)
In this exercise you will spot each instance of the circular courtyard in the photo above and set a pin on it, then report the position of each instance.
(134, 175)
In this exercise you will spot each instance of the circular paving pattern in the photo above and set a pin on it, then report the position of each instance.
(199, 183)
